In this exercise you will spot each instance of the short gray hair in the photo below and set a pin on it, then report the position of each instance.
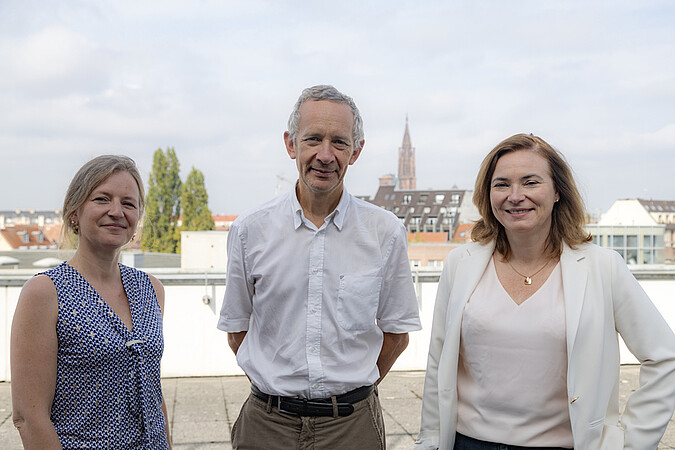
(326, 92)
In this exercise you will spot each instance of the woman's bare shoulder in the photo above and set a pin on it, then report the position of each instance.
(38, 290)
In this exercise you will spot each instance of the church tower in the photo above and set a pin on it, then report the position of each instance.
(406, 162)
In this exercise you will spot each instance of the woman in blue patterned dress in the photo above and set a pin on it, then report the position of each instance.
(87, 337)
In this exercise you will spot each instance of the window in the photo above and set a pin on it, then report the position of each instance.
(454, 198)
(427, 210)
(617, 241)
(431, 220)
(407, 198)
(648, 257)
(396, 209)
(423, 199)
(415, 220)
(631, 256)
(632, 241)
(648, 241)
(435, 263)
(438, 199)
(414, 263)
(25, 238)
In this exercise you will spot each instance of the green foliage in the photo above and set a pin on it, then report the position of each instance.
(162, 207)
(194, 201)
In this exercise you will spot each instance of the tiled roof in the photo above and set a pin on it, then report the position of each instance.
(53, 232)
(463, 232)
(658, 206)
(26, 236)
(223, 218)
(428, 237)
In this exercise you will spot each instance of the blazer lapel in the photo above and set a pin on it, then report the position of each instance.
(574, 277)
(469, 271)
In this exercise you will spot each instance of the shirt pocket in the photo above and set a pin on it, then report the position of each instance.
(358, 298)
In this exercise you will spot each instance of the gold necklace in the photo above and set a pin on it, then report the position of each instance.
(527, 280)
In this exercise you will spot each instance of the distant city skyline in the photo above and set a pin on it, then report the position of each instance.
(217, 81)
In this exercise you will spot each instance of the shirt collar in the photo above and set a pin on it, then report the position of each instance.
(337, 216)
(341, 209)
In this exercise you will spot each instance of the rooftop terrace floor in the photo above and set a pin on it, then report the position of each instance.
(202, 410)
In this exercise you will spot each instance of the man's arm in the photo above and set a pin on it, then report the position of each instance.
(237, 305)
(392, 346)
(235, 339)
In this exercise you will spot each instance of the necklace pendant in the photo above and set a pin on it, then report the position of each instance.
(527, 281)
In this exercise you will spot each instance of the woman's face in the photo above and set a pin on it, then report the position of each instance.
(109, 216)
(522, 193)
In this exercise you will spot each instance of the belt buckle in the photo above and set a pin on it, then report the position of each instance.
(283, 410)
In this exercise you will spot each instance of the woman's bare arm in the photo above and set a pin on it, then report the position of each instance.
(33, 363)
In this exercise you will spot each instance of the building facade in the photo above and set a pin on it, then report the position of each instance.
(422, 211)
(29, 217)
(427, 210)
(640, 230)
(663, 212)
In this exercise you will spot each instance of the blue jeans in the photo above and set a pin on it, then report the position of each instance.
(468, 443)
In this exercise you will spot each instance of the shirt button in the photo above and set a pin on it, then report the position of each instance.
(315, 271)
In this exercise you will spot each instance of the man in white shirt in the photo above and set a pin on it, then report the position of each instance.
(319, 298)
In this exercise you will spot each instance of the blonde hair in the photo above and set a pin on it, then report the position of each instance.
(568, 215)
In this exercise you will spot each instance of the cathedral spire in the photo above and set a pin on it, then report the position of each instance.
(406, 135)
(406, 162)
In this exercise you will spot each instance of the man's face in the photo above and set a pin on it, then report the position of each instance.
(323, 146)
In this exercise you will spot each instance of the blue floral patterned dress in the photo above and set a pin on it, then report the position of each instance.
(108, 393)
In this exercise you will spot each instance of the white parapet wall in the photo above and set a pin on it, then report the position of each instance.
(194, 347)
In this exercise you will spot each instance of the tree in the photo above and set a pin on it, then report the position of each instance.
(162, 206)
(195, 203)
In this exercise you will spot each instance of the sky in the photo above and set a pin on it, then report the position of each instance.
(217, 80)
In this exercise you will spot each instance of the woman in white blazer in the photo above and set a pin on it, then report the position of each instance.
(524, 350)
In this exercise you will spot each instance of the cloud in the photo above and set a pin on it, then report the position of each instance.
(52, 62)
(217, 81)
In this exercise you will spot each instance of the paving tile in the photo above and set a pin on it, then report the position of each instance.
(200, 433)
(202, 410)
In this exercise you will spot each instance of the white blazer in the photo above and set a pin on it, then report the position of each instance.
(601, 297)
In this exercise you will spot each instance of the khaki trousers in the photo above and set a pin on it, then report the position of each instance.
(261, 426)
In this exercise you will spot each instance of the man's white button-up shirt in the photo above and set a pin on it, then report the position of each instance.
(315, 302)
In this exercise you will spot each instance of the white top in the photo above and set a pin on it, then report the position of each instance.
(512, 374)
(315, 302)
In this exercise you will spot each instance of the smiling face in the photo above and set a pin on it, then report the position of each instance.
(522, 193)
(109, 215)
(323, 148)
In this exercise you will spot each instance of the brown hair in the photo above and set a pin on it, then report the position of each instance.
(568, 216)
(90, 175)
